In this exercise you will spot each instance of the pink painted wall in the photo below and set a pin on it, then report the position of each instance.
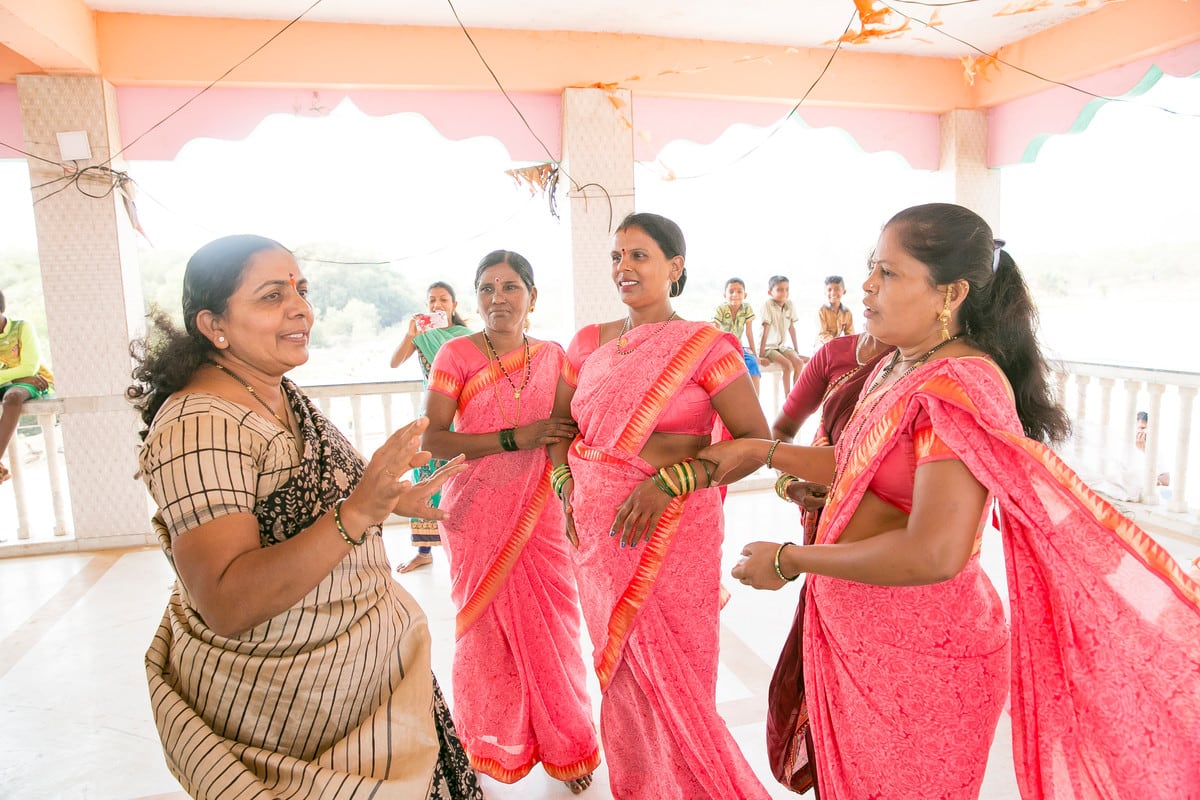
(659, 120)
(1016, 129)
(234, 113)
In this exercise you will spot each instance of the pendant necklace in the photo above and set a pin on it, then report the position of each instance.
(492, 354)
(623, 337)
(493, 357)
(254, 394)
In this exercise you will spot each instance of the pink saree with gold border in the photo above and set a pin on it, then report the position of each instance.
(652, 610)
(903, 684)
(519, 678)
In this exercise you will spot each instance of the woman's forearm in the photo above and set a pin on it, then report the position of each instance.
(445, 445)
(815, 464)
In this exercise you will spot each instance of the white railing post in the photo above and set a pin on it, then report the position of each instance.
(1183, 437)
(1106, 390)
(1129, 429)
(58, 492)
(1081, 384)
(389, 427)
(18, 486)
(356, 418)
(1150, 477)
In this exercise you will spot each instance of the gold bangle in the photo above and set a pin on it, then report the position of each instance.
(771, 452)
(779, 569)
(337, 520)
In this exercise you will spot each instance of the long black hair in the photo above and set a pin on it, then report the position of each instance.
(998, 314)
(667, 235)
(455, 318)
(167, 358)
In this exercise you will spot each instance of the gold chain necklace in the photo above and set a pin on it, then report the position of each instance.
(492, 354)
(253, 394)
(496, 380)
(862, 418)
(623, 339)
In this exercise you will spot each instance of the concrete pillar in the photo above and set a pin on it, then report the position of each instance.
(964, 160)
(598, 158)
(93, 297)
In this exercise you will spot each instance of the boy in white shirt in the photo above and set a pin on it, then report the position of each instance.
(779, 315)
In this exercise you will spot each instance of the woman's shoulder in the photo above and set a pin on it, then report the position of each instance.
(460, 346)
(200, 409)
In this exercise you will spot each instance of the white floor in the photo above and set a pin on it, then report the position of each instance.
(75, 720)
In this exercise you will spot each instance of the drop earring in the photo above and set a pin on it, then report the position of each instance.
(945, 316)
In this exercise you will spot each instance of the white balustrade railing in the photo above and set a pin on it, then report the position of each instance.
(1167, 397)
(369, 412)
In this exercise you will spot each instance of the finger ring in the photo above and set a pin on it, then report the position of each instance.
(389, 473)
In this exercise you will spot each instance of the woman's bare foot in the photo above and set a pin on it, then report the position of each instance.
(579, 785)
(417, 561)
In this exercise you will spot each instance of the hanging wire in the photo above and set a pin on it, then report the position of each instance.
(550, 156)
(222, 77)
(783, 121)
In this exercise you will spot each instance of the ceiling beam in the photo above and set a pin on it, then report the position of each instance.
(56, 36)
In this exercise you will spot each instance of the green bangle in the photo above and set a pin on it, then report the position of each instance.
(337, 520)
(559, 477)
(508, 439)
(781, 486)
(779, 569)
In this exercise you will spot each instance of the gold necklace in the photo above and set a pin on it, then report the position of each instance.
(623, 339)
(253, 394)
(492, 354)
(496, 380)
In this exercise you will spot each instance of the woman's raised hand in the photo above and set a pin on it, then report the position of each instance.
(545, 431)
(417, 501)
(386, 477)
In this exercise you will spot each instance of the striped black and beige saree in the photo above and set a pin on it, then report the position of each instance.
(333, 698)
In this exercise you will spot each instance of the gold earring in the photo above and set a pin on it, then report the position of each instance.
(945, 316)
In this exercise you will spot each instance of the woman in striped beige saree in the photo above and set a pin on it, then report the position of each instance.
(288, 664)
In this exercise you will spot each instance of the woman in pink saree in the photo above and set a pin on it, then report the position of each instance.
(645, 392)
(519, 678)
(907, 655)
